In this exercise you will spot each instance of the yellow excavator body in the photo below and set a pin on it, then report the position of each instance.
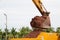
(41, 36)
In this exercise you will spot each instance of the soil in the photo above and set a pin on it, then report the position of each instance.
(39, 21)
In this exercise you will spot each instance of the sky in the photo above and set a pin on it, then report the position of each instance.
(20, 12)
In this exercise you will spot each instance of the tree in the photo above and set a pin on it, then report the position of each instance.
(24, 31)
(50, 29)
(58, 31)
(6, 31)
(13, 32)
(5, 34)
(0, 34)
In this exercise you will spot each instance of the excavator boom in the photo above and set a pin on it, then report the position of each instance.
(40, 7)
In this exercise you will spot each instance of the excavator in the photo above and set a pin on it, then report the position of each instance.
(41, 21)
(39, 24)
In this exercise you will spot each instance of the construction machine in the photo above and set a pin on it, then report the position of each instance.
(39, 24)
(41, 21)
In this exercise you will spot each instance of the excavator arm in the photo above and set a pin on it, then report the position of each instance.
(40, 7)
(39, 23)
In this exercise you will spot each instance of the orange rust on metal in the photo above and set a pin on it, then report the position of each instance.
(41, 22)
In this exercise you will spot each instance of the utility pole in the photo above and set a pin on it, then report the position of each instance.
(6, 25)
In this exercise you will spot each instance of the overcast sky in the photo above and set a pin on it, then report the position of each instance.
(20, 12)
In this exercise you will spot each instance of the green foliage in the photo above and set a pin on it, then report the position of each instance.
(6, 31)
(0, 34)
(24, 31)
(49, 29)
(58, 30)
(13, 32)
